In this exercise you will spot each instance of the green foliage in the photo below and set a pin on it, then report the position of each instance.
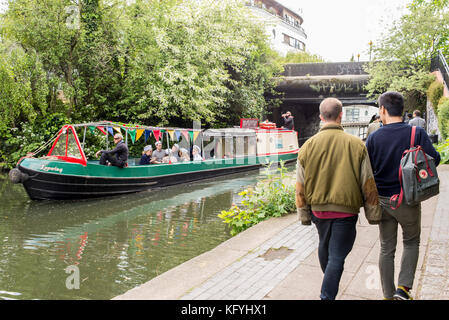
(403, 54)
(434, 94)
(270, 198)
(443, 118)
(17, 142)
(302, 57)
(443, 149)
(22, 86)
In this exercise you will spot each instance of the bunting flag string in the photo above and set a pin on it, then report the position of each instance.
(139, 133)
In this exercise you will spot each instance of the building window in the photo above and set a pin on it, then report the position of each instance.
(352, 114)
(294, 43)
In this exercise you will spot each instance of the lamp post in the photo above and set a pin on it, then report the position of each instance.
(370, 49)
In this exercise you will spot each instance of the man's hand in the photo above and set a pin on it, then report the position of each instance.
(98, 153)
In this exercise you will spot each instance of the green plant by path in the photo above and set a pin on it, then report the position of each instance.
(443, 149)
(271, 197)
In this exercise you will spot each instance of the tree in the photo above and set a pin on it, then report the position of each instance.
(302, 57)
(403, 55)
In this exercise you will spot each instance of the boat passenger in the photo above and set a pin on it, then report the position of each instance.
(196, 153)
(146, 155)
(118, 156)
(158, 154)
(175, 152)
(184, 155)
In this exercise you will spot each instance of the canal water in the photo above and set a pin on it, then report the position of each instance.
(113, 244)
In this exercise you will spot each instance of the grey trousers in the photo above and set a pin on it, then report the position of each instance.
(409, 217)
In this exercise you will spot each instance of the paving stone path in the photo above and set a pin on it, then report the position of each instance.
(257, 273)
(435, 279)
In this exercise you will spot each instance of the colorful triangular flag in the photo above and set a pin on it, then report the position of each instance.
(147, 134)
(171, 134)
(111, 131)
(177, 134)
(191, 135)
(92, 129)
(117, 129)
(101, 128)
(132, 134)
(185, 133)
(157, 134)
(139, 133)
(195, 135)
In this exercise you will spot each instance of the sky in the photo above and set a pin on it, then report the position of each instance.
(337, 29)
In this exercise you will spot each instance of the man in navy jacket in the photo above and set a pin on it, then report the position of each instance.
(385, 147)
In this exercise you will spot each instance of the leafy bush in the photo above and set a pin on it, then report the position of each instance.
(434, 94)
(26, 137)
(443, 149)
(269, 198)
(443, 118)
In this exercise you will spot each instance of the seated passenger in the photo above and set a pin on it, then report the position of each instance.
(196, 152)
(118, 156)
(175, 153)
(146, 155)
(184, 155)
(158, 154)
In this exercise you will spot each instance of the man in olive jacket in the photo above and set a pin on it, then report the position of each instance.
(334, 179)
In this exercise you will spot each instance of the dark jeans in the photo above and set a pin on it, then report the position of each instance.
(337, 237)
(112, 159)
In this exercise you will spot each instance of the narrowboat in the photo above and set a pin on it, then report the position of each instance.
(66, 174)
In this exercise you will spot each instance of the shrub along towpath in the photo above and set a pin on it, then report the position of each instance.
(278, 259)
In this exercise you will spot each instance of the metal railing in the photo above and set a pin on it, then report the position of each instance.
(439, 63)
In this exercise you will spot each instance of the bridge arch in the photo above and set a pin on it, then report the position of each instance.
(304, 86)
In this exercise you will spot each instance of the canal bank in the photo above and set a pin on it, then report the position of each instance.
(277, 259)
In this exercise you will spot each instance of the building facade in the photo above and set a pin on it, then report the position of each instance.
(356, 119)
(283, 25)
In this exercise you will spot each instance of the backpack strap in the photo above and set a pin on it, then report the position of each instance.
(412, 138)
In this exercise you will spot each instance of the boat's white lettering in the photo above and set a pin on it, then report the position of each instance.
(46, 169)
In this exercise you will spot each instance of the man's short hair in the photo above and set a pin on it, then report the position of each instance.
(118, 136)
(330, 109)
(392, 101)
(417, 113)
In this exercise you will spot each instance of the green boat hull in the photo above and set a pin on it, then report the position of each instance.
(60, 180)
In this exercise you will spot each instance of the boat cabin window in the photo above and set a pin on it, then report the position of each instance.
(224, 145)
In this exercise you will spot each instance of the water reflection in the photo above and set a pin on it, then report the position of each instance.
(117, 243)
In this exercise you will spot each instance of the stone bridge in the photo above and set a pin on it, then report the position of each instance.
(304, 86)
